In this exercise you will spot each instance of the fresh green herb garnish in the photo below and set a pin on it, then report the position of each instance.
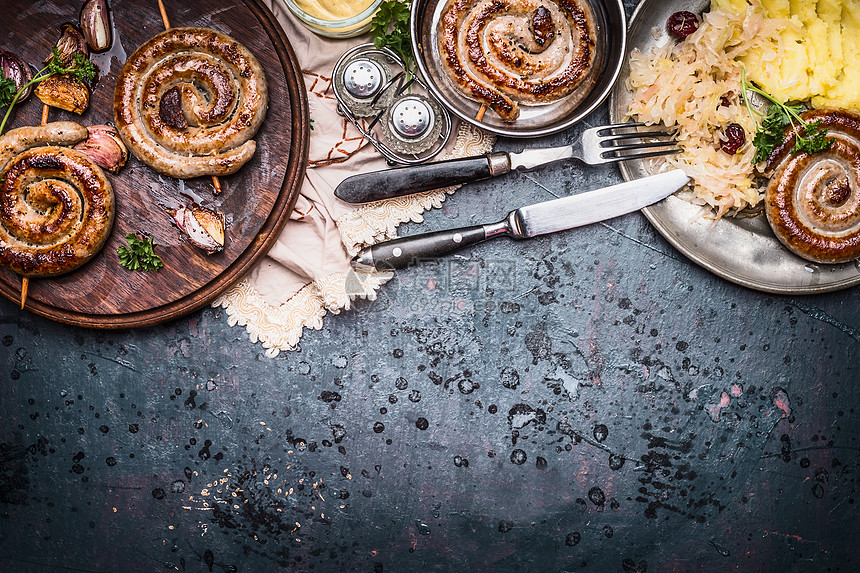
(139, 254)
(390, 29)
(80, 67)
(7, 89)
(810, 136)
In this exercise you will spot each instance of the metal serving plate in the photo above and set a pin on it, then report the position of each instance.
(534, 120)
(744, 251)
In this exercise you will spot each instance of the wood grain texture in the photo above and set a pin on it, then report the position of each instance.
(257, 200)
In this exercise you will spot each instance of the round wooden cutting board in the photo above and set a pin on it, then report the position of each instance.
(257, 200)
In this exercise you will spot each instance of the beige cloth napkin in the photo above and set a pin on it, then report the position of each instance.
(307, 273)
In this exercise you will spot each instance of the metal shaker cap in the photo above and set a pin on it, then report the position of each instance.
(412, 124)
(362, 78)
(410, 117)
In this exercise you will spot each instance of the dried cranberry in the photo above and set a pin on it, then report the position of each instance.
(733, 138)
(682, 24)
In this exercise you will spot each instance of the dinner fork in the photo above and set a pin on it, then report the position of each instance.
(597, 146)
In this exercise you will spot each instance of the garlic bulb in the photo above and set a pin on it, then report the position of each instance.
(71, 41)
(104, 146)
(95, 24)
(204, 227)
(18, 71)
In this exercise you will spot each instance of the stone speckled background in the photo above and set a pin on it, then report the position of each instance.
(588, 401)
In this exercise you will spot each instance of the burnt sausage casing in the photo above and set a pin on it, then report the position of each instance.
(812, 201)
(505, 52)
(188, 102)
(56, 205)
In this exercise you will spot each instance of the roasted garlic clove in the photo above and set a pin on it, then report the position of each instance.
(71, 41)
(204, 227)
(104, 146)
(18, 71)
(64, 92)
(213, 222)
(95, 24)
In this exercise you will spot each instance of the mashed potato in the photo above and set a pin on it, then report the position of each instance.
(814, 58)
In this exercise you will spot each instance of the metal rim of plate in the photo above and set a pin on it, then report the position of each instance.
(535, 120)
(743, 251)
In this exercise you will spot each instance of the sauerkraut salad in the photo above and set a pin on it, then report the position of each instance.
(695, 84)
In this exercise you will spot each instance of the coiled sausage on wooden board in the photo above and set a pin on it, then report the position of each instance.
(188, 102)
(56, 205)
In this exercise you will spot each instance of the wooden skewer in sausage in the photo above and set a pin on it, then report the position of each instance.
(164, 18)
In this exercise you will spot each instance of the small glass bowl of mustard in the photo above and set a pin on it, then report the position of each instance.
(334, 18)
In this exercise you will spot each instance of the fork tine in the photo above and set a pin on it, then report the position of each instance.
(633, 135)
(613, 158)
(642, 145)
(605, 129)
(623, 141)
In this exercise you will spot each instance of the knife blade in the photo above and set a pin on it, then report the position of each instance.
(388, 183)
(526, 222)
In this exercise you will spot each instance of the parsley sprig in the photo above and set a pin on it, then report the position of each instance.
(79, 67)
(7, 88)
(810, 136)
(389, 28)
(139, 255)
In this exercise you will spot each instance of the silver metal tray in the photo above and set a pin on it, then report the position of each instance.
(535, 120)
(744, 251)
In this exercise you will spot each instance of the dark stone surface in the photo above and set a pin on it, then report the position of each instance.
(588, 401)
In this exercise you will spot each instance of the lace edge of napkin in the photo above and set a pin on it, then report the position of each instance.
(280, 328)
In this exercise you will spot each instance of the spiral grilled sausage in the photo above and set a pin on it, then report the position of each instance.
(813, 201)
(501, 52)
(56, 205)
(188, 102)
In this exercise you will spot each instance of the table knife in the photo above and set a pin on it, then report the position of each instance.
(388, 183)
(526, 222)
